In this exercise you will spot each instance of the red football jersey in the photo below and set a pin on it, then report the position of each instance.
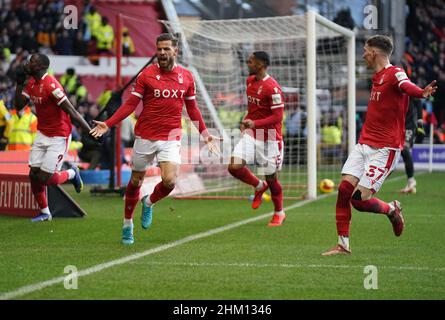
(262, 97)
(163, 94)
(385, 118)
(47, 94)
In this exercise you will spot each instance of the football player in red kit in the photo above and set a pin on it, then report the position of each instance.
(381, 140)
(53, 110)
(261, 141)
(163, 87)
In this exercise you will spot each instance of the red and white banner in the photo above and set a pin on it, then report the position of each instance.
(16, 198)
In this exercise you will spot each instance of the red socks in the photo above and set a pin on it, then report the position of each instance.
(343, 208)
(58, 178)
(372, 205)
(131, 199)
(245, 175)
(277, 194)
(160, 191)
(39, 192)
(39, 189)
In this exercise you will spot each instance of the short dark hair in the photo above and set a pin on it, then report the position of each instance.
(43, 60)
(167, 37)
(381, 42)
(263, 57)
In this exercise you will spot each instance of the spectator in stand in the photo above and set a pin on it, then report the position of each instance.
(92, 21)
(86, 7)
(4, 38)
(105, 37)
(17, 40)
(23, 130)
(425, 49)
(45, 35)
(5, 125)
(105, 96)
(30, 43)
(64, 43)
(69, 80)
(80, 46)
(5, 56)
(22, 12)
(57, 6)
(127, 43)
(46, 50)
(81, 92)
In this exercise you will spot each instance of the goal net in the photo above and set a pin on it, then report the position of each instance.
(315, 125)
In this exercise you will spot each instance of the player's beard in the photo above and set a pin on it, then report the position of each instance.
(252, 72)
(166, 63)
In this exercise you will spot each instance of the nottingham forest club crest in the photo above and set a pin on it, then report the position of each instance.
(259, 90)
(180, 78)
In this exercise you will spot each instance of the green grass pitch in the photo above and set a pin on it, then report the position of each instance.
(185, 256)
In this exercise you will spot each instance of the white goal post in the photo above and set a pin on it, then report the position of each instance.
(312, 19)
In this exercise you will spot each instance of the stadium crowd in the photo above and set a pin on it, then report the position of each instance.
(23, 32)
(425, 54)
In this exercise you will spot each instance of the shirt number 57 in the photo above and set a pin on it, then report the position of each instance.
(373, 171)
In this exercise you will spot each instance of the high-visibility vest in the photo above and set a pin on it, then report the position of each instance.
(5, 116)
(331, 135)
(5, 123)
(23, 130)
(69, 82)
(93, 22)
(105, 37)
(81, 92)
(103, 99)
(127, 45)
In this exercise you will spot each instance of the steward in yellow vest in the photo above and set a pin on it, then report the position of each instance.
(23, 130)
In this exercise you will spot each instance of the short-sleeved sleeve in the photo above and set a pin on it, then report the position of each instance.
(139, 87)
(276, 97)
(400, 76)
(191, 90)
(56, 92)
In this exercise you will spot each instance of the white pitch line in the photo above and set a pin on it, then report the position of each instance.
(41, 285)
(282, 265)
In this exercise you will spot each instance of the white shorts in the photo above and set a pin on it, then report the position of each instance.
(47, 152)
(371, 165)
(268, 155)
(144, 152)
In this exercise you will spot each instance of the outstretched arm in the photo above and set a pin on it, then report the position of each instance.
(124, 111)
(74, 114)
(414, 91)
